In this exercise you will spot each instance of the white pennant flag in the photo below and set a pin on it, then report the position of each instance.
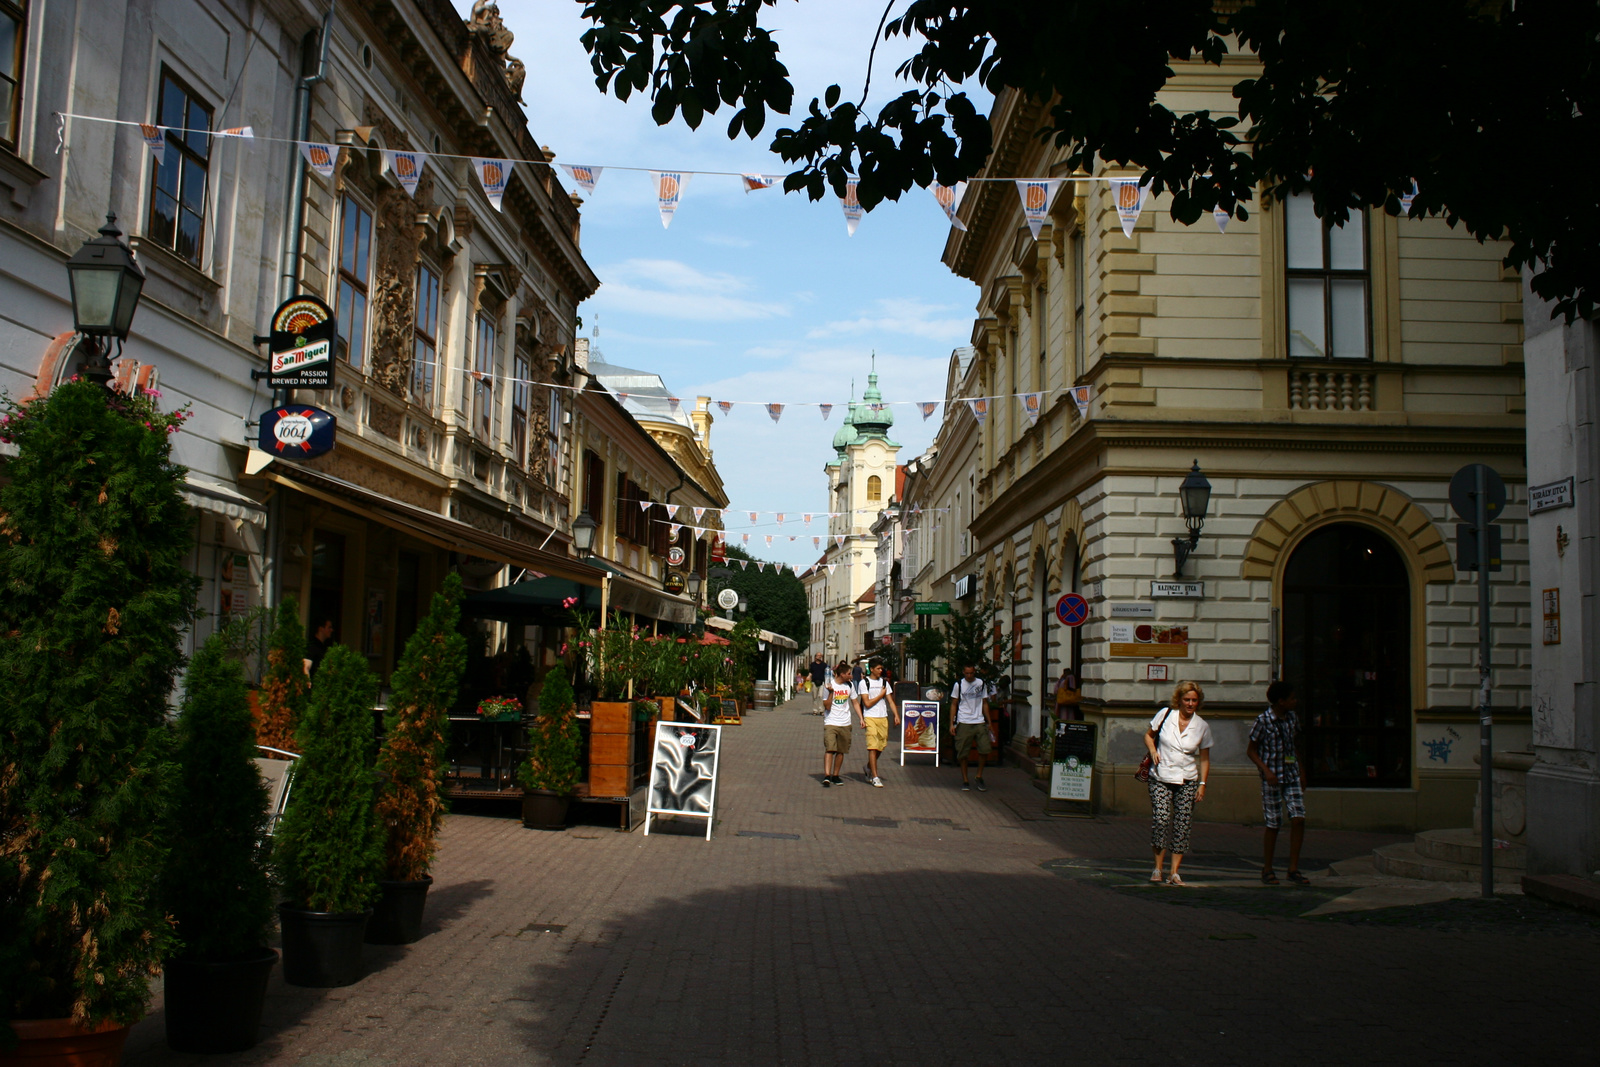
(1129, 196)
(321, 158)
(669, 192)
(753, 515)
(761, 565)
(699, 513)
(796, 567)
(776, 411)
(644, 505)
(745, 538)
(826, 409)
(156, 141)
(807, 518)
(839, 539)
(852, 208)
(928, 408)
(1406, 198)
(758, 181)
(672, 530)
(1223, 217)
(816, 542)
(1030, 404)
(949, 198)
(673, 404)
(493, 174)
(1037, 196)
(744, 564)
(793, 537)
(247, 133)
(1080, 397)
(407, 167)
(584, 176)
(780, 517)
(980, 408)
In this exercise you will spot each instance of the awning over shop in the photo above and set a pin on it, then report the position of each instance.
(534, 599)
(429, 526)
(223, 500)
(717, 622)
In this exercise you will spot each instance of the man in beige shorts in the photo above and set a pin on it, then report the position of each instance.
(836, 725)
(971, 720)
(877, 705)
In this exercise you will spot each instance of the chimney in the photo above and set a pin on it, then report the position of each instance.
(701, 417)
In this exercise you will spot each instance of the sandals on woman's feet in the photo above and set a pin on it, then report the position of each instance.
(1297, 878)
(1268, 878)
(1155, 876)
(1173, 879)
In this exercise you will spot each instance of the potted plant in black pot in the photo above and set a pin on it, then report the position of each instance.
(550, 773)
(95, 538)
(215, 885)
(329, 847)
(411, 803)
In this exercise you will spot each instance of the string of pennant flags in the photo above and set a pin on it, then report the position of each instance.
(494, 172)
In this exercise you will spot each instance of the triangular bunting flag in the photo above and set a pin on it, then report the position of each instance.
(793, 537)
(745, 538)
(744, 564)
(852, 208)
(928, 408)
(826, 409)
(949, 197)
(776, 411)
(725, 406)
(673, 403)
(155, 140)
(493, 174)
(1037, 196)
(816, 542)
(584, 176)
(980, 408)
(1406, 198)
(321, 158)
(796, 567)
(1080, 397)
(753, 515)
(780, 518)
(644, 505)
(699, 513)
(807, 518)
(832, 567)
(622, 396)
(1030, 404)
(669, 192)
(758, 181)
(1129, 197)
(1223, 217)
(407, 167)
(672, 530)
(839, 539)
(247, 133)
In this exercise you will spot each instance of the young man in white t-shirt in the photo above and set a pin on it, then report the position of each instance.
(971, 720)
(836, 723)
(877, 704)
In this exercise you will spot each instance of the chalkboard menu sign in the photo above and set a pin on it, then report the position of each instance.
(729, 715)
(1072, 769)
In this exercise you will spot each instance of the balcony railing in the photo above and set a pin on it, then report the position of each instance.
(1330, 390)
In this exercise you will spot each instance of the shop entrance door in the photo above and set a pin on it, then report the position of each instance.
(1347, 648)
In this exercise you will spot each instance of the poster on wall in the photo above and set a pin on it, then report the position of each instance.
(233, 585)
(683, 773)
(1072, 770)
(1149, 640)
(919, 730)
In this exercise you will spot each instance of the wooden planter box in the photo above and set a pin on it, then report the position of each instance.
(619, 749)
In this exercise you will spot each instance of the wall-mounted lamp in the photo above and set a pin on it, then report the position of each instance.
(1195, 496)
(106, 283)
(583, 528)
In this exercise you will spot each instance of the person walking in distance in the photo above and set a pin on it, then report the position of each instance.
(971, 720)
(877, 705)
(819, 685)
(1273, 749)
(836, 725)
(1179, 742)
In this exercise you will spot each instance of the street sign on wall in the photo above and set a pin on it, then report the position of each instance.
(300, 346)
(1072, 609)
(931, 607)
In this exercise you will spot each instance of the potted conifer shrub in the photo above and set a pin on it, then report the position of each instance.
(281, 700)
(94, 543)
(215, 885)
(411, 803)
(550, 773)
(328, 850)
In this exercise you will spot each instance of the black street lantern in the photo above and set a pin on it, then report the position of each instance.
(583, 528)
(106, 283)
(744, 604)
(1195, 496)
(694, 580)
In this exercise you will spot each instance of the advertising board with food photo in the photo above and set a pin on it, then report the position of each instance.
(919, 730)
(1149, 640)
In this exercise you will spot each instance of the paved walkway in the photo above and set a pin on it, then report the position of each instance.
(918, 924)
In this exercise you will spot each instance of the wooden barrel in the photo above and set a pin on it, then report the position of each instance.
(766, 695)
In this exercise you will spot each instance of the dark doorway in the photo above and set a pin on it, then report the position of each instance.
(327, 584)
(1347, 646)
(407, 601)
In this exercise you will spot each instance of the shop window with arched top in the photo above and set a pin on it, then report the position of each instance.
(874, 488)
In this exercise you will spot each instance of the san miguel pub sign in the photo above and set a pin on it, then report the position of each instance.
(296, 431)
(301, 345)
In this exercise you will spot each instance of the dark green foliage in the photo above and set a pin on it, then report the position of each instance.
(281, 701)
(777, 599)
(329, 846)
(1324, 114)
(95, 591)
(743, 644)
(553, 739)
(925, 645)
(215, 885)
(411, 806)
(969, 640)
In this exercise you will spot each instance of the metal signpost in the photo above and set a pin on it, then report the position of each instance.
(1478, 495)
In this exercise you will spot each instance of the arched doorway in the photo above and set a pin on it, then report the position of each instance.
(1347, 647)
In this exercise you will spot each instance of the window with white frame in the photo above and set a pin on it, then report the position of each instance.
(486, 341)
(355, 250)
(425, 350)
(1327, 282)
(178, 195)
(13, 39)
(521, 391)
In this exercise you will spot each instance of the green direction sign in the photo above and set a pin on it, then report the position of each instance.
(931, 607)
(899, 627)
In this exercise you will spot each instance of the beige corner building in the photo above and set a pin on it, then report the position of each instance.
(1328, 382)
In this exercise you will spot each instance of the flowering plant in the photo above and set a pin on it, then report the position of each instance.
(500, 708)
(139, 407)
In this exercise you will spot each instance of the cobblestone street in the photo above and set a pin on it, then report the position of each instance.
(909, 925)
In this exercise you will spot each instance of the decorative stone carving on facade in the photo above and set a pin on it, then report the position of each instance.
(394, 271)
(487, 23)
(384, 480)
(1371, 503)
(384, 419)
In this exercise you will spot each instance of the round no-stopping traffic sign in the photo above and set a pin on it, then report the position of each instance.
(1072, 609)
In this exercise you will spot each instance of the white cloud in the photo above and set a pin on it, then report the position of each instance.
(671, 289)
(912, 317)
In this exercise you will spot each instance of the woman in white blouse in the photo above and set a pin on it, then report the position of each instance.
(1179, 742)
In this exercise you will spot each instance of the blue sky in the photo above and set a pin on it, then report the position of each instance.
(760, 296)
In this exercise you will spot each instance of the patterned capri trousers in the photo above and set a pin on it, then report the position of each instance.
(1171, 807)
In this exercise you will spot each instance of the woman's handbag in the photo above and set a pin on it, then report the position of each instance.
(1143, 773)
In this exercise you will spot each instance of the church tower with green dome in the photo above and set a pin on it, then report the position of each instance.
(862, 479)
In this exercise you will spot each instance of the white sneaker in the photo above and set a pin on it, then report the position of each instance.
(878, 782)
